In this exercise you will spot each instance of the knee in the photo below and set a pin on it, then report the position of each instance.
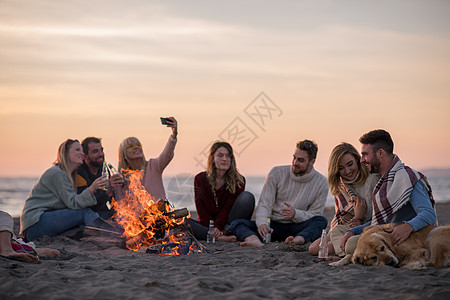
(246, 198)
(234, 223)
(6, 222)
(350, 246)
(321, 221)
(314, 248)
(88, 211)
(237, 222)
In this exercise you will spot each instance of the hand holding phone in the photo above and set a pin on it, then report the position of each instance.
(165, 121)
(172, 123)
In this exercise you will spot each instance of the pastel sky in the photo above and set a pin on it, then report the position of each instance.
(274, 72)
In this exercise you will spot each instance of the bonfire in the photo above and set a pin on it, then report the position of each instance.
(152, 225)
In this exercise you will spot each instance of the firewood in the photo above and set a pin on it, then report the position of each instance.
(158, 225)
(102, 230)
(178, 213)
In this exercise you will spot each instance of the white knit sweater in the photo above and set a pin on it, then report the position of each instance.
(307, 194)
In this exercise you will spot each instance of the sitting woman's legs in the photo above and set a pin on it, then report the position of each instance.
(198, 230)
(55, 222)
(314, 247)
(242, 208)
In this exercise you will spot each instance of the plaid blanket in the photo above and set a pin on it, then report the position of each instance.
(343, 205)
(394, 190)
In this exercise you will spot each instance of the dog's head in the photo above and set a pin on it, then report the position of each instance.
(374, 249)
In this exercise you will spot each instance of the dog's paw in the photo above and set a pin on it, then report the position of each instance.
(344, 261)
(415, 265)
(335, 264)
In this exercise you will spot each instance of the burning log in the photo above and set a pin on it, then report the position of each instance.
(176, 214)
(186, 245)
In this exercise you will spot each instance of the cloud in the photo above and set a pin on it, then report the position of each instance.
(334, 65)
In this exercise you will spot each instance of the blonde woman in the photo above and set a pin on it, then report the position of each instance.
(131, 157)
(351, 185)
(220, 195)
(53, 205)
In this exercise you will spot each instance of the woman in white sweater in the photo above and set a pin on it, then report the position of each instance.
(351, 185)
(53, 206)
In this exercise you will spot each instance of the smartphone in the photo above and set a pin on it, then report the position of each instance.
(164, 121)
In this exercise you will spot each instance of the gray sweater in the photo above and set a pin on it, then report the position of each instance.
(307, 194)
(53, 191)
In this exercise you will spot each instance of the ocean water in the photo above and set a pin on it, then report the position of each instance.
(180, 191)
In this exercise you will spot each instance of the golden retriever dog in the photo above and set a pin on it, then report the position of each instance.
(429, 246)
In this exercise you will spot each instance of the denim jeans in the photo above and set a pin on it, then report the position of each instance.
(310, 229)
(54, 222)
(242, 209)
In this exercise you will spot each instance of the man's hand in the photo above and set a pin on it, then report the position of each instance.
(345, 238)
(115, 181)
(98, 183)
(288, 212)
(262, 230)
(400, 233)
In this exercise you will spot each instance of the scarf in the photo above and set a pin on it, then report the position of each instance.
(343, 205)
(394, 190)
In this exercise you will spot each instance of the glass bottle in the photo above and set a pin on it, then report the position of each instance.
(268, 236)
(210, 235)
(114, 172)
(105, 173)
(323, 247)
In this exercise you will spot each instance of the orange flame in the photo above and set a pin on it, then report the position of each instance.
(142, 216)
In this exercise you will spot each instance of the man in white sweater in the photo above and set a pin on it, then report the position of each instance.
(293, 197)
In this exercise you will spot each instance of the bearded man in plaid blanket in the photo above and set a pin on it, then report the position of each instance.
(402, 196)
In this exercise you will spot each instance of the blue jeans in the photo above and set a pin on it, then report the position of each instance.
(54, 222)
(310, 229)
(242, 209)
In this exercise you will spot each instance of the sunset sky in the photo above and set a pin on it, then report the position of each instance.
(274, 72)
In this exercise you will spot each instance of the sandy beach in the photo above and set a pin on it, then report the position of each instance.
(87, 270)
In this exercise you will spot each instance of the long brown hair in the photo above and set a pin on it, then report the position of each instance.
(62, 161)
(333, 166)
(233, 178)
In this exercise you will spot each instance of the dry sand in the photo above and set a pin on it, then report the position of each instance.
(277, 271)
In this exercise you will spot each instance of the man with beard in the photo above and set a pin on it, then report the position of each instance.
(402, 196)
(90, 170)
(293, 197)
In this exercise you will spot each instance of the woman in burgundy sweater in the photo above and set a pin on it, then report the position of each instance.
(220, 195)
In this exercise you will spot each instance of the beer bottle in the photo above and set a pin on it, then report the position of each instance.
(323, 247)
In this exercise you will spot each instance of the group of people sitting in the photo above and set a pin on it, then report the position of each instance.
(372, 188)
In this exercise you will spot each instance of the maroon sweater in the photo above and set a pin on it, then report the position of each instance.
(206, 205)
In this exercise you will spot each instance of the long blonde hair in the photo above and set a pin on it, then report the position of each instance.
(62, 161)
(123, 160)
(333, 166)
(233, 178)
